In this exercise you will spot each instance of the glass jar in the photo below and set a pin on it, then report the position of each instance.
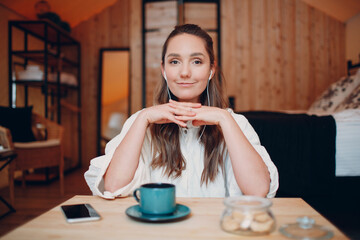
(306, 229)
(248, 215)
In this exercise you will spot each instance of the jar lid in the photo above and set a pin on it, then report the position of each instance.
(248, 203)
(306, 229)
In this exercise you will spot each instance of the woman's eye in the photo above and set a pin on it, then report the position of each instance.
(197, 62)
(174, 62)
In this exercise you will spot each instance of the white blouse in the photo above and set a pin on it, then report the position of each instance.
(189, 183)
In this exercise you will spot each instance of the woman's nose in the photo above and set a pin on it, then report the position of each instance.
(185, 71)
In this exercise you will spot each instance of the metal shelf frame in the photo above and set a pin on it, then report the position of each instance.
(54, 40)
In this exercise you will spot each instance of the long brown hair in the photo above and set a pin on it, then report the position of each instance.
(165, 137)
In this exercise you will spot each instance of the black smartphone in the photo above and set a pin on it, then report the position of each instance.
(80, 213)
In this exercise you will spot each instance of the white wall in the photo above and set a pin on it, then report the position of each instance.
(352, 31)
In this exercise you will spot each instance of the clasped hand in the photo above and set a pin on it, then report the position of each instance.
(181, 112)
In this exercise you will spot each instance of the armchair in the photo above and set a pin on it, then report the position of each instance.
(37, 154)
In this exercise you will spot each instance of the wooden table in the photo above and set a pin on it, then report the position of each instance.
(203, 223)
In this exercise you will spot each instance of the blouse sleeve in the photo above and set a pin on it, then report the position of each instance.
(94, 176)
(253, 138)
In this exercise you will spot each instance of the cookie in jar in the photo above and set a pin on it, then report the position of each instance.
(248, 215)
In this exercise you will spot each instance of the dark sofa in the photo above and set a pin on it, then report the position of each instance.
(303, 149)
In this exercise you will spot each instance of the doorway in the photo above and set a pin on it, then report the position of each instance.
(114, 97)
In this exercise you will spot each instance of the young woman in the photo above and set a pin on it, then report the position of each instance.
(188, 137)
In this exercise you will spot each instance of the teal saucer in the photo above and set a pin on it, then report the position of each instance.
(181, 212)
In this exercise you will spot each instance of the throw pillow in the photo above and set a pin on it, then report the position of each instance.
(335, 94)
(18, 121)
(351, 102)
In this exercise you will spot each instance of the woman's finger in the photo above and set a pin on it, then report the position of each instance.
(184, 104)
(184, 112)
(168, 115)
(179, 111)
(179, 122)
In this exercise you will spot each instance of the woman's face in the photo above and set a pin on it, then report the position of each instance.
(187, 67)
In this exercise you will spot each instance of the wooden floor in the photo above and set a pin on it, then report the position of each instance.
(38, 198)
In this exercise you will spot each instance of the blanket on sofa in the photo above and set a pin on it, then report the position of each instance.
(303, 149)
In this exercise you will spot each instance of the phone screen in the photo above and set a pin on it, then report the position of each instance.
(79, 213)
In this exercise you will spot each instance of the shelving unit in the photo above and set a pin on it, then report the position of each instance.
(55, 51)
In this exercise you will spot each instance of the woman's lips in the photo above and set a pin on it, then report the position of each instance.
(186, 84)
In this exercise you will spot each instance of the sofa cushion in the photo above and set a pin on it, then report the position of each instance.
(18, 121)
(334, 95)
(351, 102)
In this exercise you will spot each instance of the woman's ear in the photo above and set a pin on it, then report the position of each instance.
(212, 71)
(163, 71)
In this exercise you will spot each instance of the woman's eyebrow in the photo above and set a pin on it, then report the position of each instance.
(173, 55)
(192, 55)
(197, 54)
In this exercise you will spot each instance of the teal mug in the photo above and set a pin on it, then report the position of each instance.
(156, 198)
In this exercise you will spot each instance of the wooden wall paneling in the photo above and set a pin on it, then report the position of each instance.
(103, 24)
(69, 119)
(88, 96)
(326, 57)
(236, 58)
(71, 143)
(333, 49)
(18, 39)
(285, 50)
(302, 56)
(328, 76)
(274, 55)
(4, 77)
(260, 81)
(160, 14)
(288, 66)
(109, 28)
(116, 31)
(88, 89)
(135, 43)
(152, 63)
(317, 55)
(242, 73)
(227, 13)
(324, 53)
(244, 34)
(119, 24)
(337, 53)
(91, 100)
(202, 14)
(341, 51)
